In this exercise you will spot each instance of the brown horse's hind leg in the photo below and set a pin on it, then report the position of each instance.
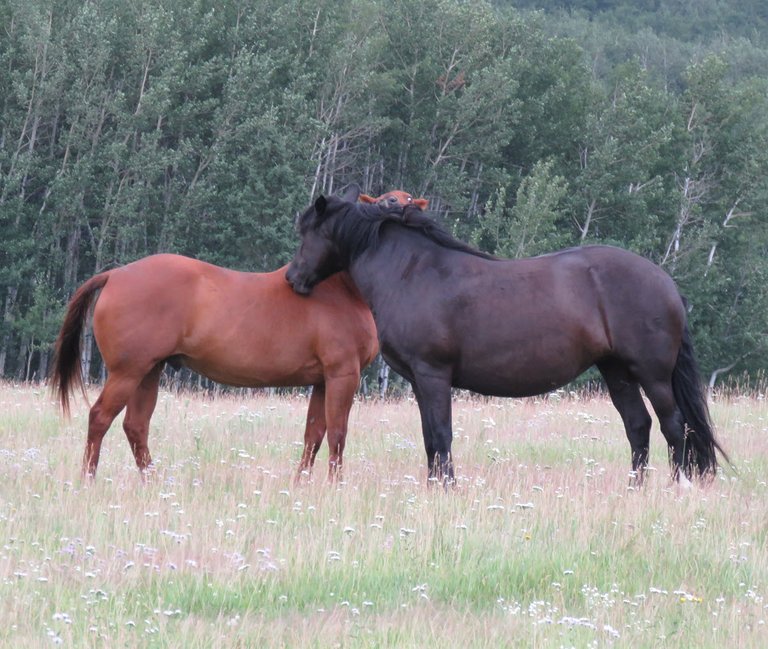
(626, 397)
(314, 430)
(138, 412)
(339, 395)
(117, 390)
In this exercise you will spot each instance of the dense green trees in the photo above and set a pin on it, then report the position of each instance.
(202, 127)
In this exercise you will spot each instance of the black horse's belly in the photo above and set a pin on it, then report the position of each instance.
(511, 387)
(515, 379)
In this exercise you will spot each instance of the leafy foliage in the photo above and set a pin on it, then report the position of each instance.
(195, 127)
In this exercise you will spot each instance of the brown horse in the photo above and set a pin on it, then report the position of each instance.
(394, 198)
(243, 329)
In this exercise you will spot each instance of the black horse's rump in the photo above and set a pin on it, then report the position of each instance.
(449, 315)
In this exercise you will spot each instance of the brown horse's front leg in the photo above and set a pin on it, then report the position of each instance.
(314, 431)
(340, 393)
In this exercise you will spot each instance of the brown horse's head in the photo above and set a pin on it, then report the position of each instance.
(396, 197)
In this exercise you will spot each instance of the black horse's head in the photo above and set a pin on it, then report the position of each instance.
(319, 255)
(336, 230)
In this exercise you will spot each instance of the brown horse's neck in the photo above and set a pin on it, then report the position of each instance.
(346, 280)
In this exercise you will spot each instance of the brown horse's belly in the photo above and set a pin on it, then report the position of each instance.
(256, 375)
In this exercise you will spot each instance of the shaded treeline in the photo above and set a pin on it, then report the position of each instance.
(199, 127)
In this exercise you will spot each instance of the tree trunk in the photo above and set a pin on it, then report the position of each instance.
(588, 220)
(715, 374)
(30, 354)
(383, 377)
(10, 301)
(42, 365)
(86, 358)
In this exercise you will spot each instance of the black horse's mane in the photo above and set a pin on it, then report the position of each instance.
(361, 225)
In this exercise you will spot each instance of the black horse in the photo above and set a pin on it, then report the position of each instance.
(449, 315)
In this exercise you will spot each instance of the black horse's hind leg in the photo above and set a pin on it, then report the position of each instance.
(662, 399)
(433, 394)
(626, 397)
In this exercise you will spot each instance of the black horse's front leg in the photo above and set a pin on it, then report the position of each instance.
(433, 394)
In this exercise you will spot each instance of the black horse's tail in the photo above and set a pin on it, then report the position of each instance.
(701, 447)
(66, 374)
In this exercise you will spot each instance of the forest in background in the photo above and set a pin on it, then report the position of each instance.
(203, 127)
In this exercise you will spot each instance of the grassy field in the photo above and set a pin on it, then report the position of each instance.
(541, 544)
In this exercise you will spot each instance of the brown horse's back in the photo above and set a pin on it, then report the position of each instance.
(238, 328)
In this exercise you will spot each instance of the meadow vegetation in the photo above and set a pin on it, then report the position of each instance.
(540, 544)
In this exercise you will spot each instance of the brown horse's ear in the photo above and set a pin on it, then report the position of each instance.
(351, 193)
(364, 198)
(421, 203)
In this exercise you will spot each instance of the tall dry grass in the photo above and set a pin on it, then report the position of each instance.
(541, 543)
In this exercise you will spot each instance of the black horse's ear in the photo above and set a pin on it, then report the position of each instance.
(351, 193)
(320, 204)
(413, 215)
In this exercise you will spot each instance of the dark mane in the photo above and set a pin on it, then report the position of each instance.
(360, 228)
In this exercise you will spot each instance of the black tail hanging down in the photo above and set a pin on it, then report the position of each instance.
(701, 447)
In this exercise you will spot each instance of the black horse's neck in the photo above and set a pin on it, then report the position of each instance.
(359, 228)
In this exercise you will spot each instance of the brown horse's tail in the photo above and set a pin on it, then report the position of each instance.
(67, 374)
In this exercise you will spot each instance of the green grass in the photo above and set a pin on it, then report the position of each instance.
(541, 543)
